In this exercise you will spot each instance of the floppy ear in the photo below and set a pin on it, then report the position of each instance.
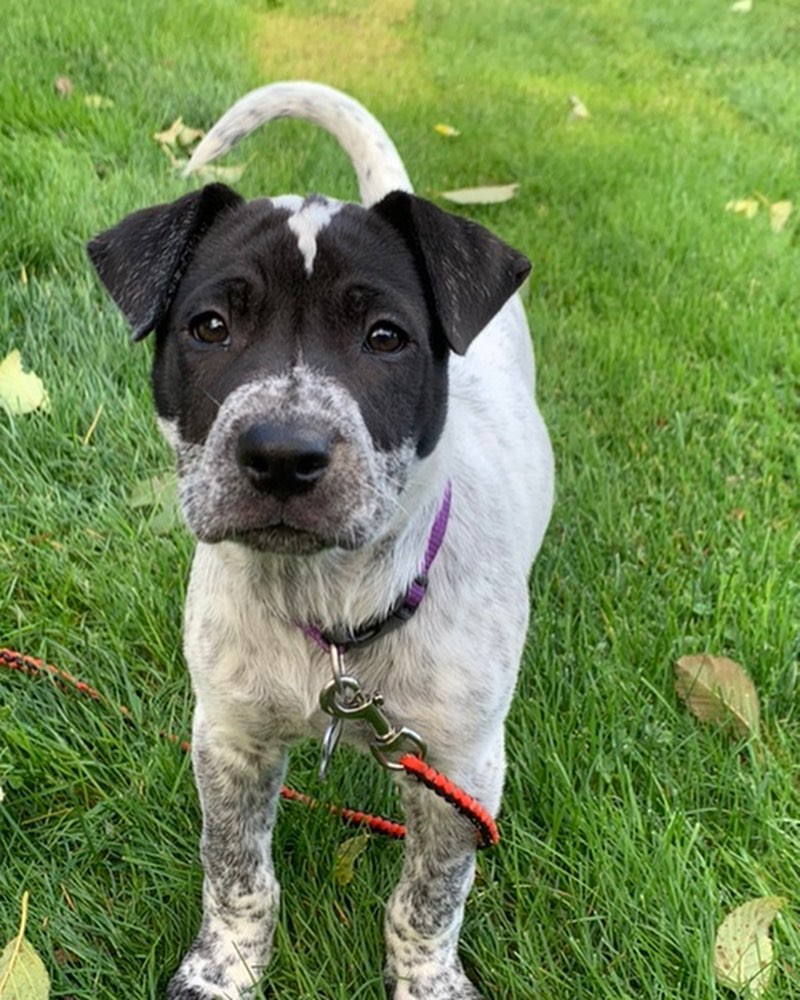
(470, 273)
(141, 260)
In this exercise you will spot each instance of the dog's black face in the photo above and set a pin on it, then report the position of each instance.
(301, 351)
(250, 306)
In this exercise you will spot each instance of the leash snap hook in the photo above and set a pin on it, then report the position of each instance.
(387, 738)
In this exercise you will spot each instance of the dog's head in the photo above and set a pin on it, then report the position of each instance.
(301, 353)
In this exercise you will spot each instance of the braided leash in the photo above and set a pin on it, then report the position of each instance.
(411, 764)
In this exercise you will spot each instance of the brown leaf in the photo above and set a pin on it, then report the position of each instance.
(717, 689)
(63, 86)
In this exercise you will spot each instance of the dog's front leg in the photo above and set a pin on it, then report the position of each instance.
(238, 794)
(424, 915)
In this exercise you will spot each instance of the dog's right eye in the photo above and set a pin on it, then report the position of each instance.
(210, 328)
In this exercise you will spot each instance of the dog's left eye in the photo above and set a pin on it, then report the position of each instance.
(385, 338)
(209, 328)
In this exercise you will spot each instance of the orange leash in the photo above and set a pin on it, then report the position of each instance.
(470, 808)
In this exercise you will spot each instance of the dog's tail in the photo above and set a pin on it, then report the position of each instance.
(373, 154)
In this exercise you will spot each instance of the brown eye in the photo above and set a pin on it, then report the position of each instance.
(209, 328)
(385, 338)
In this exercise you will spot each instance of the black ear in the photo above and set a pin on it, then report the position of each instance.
(469, 272)
(141, 260)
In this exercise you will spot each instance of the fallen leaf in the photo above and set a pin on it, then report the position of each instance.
(577, 109)
(20, 391)
(179, 134)
(97, 101)
(347, 853)
(160, 493)
(447, 131)
(743, 949)
(22, 973)
(228, 175)
(748, 207)
(489, 195)
(717, 689)
(742, 6)
(63, 86)
(779, 212)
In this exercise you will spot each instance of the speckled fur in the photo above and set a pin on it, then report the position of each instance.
(449, 672)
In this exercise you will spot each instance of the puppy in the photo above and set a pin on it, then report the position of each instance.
(341, 384)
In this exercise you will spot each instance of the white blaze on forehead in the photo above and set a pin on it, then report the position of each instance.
(309, 217)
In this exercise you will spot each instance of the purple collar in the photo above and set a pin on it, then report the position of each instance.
(346, 639)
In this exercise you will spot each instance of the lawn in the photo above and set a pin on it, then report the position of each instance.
(666, 329)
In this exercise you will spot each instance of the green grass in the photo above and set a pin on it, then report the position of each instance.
(669, 358)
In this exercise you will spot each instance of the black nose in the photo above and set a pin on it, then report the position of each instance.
(281, 459)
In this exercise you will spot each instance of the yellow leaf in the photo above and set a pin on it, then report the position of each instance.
(22, 973)
(779, 213)
(228, 175)
(577, 109)
(742, 6)
(447, 131)
(97, 101)
(347, 854)
(747, 207)
(717, 689)
(489, 195)
(20, 392)
(743, 949)
(179, 134)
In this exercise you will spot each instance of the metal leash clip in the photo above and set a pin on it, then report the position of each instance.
(333, 733)
(343, 699)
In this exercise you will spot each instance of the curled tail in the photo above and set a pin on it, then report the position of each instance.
(373, 154)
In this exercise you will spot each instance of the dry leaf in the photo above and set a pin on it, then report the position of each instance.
(20, 392)
(577, 109)
(748, 207)
(779, 212)
(717, 689)
(228, 175)
(347, 854)
(489, 195)
(99, 102)
(179, 134)
(447, 131)
(63, 86)
(22, 973)
(742, 6)
(743, 949)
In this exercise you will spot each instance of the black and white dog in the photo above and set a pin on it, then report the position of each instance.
(328, 373)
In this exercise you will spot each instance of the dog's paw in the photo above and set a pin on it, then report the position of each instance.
(179, 989)
(446, 984)
(219, 967)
